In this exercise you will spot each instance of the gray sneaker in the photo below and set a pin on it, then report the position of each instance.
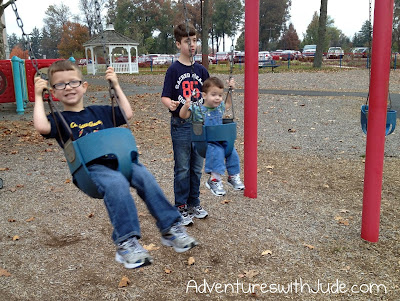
(177, 238)
(197, 212)
(186, 218)
(216, 187)
(132, 255)
(235, 182)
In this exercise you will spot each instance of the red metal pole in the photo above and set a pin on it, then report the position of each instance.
(378, 95)
(252, 15)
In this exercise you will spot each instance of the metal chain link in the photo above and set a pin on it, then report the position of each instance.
(111, 90)
(27, 41)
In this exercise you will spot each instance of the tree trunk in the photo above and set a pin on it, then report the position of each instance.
(2, 26)
(204, 33)
(321, 34)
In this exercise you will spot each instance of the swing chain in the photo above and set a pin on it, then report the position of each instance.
(111, 89)
(26, 39)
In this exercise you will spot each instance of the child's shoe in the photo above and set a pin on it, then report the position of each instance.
(235, 182)
(197, 212)
(216, 187)
(186, 218)
(177, 238)
(132, 255)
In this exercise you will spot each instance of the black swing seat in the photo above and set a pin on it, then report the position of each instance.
(113, 141)
(390, 120)
(202, 134)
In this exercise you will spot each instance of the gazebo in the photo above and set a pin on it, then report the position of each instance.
(119, 49)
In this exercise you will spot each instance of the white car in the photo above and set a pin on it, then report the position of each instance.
(264, 58)
(335, 53)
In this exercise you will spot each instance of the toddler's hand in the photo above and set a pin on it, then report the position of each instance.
(173, 105)
(232, 83)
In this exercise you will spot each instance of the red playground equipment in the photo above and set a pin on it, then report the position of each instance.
(17, 81)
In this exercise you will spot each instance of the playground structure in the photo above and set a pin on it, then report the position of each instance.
(17, 81)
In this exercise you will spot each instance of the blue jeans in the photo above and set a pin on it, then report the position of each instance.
(188, 164)
(217, 162)
(120, 204)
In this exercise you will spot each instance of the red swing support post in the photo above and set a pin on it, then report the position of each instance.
(252, 15)
(378, 95)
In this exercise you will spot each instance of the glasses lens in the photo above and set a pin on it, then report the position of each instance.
(59, 86)
(75, 83)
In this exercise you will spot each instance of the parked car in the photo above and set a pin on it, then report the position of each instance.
(276, 55)
(239, 57)
(285, 54)
(221, 56)
(264, 58)
(309, 52)
(360, 52)
(82, 62)
(162, 59)
(334, 53)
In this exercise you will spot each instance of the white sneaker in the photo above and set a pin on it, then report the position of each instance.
(216, 187)
(177, 238)
(132, 255)
(186, 218)
(235, 182)
(197, 212)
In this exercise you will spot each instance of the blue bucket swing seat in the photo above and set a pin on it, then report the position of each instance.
(118, 142)
(391, 117)
(203, 134)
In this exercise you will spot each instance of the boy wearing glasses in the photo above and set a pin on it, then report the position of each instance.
(66, 84)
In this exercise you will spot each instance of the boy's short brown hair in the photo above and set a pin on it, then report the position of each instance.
(180, 31)
(62, 65)
(212, 82)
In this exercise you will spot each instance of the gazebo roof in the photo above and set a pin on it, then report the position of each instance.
(110, 37)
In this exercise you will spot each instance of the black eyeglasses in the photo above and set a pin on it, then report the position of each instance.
(72, 84)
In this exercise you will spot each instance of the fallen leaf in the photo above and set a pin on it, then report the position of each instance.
(124, 282)
(241, 275)
(151, 247)
(344, 222)
(266, 252)
(15, 237)
(338, 218)
(142, 214)
(291, 130)
(167, 271)
(30, 219)
(4, 273)
(226, 201)
(206, 270)
(269, 167)
(191, 261)
(67, 181)
(90, 215)
(309, 246)
(251, 273)
(4, 168)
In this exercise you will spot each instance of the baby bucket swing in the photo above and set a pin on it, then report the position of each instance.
(203, 134)
(391, 114)
(115, 141)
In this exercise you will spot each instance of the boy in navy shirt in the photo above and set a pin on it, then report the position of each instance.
(185, 78)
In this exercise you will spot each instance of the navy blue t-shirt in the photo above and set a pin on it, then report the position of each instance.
(90, 119)
(179, 83)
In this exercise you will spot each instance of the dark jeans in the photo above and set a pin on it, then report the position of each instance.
(188, 164)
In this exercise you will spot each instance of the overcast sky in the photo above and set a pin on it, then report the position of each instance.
(349, 15)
